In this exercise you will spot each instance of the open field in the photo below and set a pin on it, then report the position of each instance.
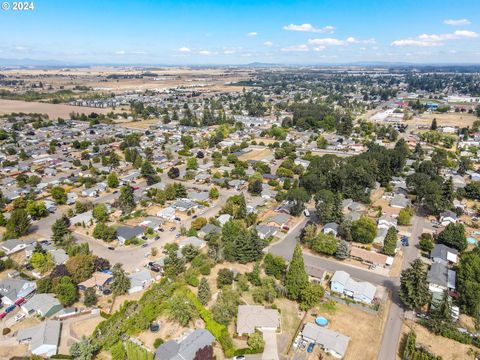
(256, 155)
(364, 330)
(447, 119)
(142, 124)
(446, 348)
(201, 79)
(52, 110)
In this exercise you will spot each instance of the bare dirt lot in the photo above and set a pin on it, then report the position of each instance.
(256, 154)
(447, 119)
(446, 348)
(364, 330)
(52, 110)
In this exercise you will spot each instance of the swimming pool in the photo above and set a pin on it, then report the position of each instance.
(472, 241)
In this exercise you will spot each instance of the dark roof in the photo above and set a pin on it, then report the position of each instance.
(128, 232)
(186, 348)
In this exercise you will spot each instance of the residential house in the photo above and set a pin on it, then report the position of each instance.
(279, 220)
(448, 217)
(185, 205)
(399, 201)
(43, 339)
(444, 255)
(331, 228)
(82, 218)
(91, 192)
(370, 257)
(208, 229)
(330, 341)
(198, 196)
(59, 256)
(192, 240)
(139, 280)
(186, 347)
(151, 222)
(12, 290)
(441, 278)
(167, 214)
(265, 231)
(252, 317)
(125, 233)
(99, 280)
(44, 305)
(315, 274)
(342, 283)
(14, 245)
(223, 219)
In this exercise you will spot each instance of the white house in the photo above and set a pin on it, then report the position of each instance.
(139, 280)
(168, 214)
(43, 339)
(330, 341)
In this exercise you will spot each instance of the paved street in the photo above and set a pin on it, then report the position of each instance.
(394, 323)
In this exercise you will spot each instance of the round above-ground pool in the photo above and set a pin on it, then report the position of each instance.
(472, 240)
(321, 321)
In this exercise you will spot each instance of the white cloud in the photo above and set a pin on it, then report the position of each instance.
(295, 48)
(309, 28)
(207, 52)
(268, 43)
(326, 42)
(425, 40)
(184, 49)
(352, 40)
(253, 33)
(120, 52)
(319, 48)
(412, 42)
(229, 52)
(457, 22)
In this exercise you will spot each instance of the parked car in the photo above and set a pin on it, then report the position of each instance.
(161, 229)
(10, 309)
(111, 248)
(144, 245)
(19, 317)
(303, 345)
(194, 216)
(173, 228)
(239, 357)
(2, 315)
(310, 347)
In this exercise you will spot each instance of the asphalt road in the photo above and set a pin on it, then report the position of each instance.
(392, 331)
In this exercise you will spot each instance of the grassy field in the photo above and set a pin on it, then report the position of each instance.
(448, 349)
(256, 155)
(52, 110)
(447, 119)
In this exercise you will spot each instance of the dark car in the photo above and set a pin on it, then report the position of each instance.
(111, 248)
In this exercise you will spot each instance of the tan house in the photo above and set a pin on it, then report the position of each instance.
(252, 317)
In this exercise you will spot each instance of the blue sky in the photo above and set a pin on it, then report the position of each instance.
(237, 32)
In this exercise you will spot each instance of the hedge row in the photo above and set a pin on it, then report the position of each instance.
(219, 331)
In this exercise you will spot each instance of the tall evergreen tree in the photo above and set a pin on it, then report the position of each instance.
(204, 293)
(60, 229)
(296, 279)
(413, 285)
(127, 199)
(390, 242)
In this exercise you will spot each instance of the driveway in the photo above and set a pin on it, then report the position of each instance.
(270, 352)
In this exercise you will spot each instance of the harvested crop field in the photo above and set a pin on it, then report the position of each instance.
(52, 110)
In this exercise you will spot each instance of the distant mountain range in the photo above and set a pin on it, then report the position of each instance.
(36, 63)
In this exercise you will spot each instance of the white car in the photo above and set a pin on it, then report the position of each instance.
(19, 317)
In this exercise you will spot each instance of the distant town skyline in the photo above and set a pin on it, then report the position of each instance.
(239, 32)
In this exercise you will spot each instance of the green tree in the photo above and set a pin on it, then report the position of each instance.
(66, 291)
(204, 293)
(311, 296)
(343, 250)
(181, 309)
(296, 279)
(85, 349)
(468, 282)
(104, 232)
(414, 291)
(112, 180)
(127, 199)
(454, 236)
(224, 277)
(60, 230)
(100, 212)
(274, 266)
(120, 281)
(42, 262)
(364, 230)
(36, 209)
(59, 195)
(405, 216)
(213, 193)
(192, 163)
(390, 242)
(80, 267)
(329, 207)
(325, 244)
(255, 341)
(18, 224)
(90, 297)
(149, 173)
(426, 242)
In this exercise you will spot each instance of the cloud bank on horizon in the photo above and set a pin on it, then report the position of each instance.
(188, 32)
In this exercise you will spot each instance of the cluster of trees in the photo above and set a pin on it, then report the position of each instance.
(352, 177)
(468, 282)
(322, 243)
